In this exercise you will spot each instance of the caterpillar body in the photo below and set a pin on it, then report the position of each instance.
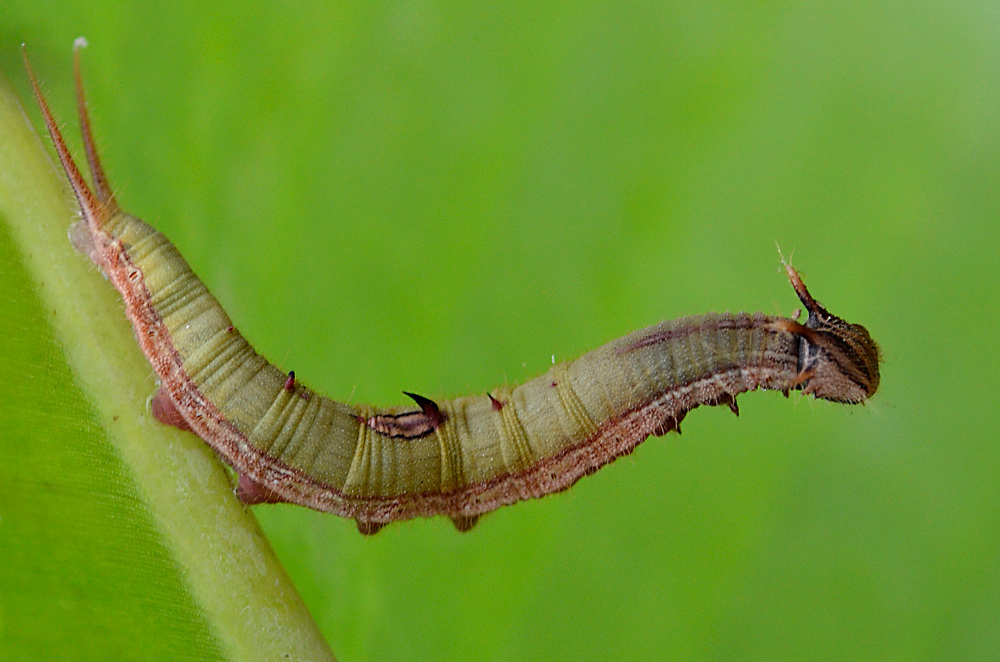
(459, 458)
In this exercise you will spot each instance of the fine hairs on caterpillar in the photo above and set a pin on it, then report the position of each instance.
(459, 458)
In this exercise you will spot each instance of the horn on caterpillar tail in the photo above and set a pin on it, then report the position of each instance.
(94, 211)
(100, 180)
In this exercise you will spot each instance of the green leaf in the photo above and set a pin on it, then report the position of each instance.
(119, 538)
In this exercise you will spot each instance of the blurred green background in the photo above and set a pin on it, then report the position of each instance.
(442, 197)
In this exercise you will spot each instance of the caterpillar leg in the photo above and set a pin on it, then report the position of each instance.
(251, 492)
(464, 524)
(369, 528)
(163, 410)
(83, 241)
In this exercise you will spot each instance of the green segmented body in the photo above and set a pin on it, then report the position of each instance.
(458, 458)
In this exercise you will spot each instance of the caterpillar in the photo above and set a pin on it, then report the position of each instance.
(459, 458)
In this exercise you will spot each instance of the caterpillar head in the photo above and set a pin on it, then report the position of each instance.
(838, 360)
